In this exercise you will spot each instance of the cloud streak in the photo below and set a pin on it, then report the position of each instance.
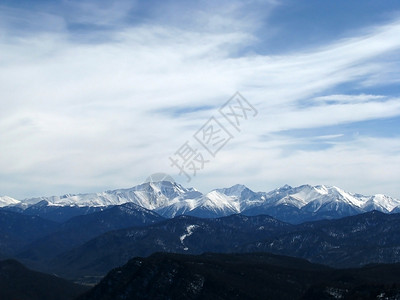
(81, 116)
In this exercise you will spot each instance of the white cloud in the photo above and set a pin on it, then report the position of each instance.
(82, 116)
(364, 165)
(328, 115)
(349, 98)
(329, 137)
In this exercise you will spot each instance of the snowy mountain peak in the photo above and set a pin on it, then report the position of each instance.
(6, 201)
(163, 187)
(322, 189)
(220, 202)
(281, 190)
(323, 196)
(153, 195)
(235, 190)
(381, 203)
(286, 187)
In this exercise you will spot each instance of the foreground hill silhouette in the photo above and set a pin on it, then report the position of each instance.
(20, 283)
(243, 276)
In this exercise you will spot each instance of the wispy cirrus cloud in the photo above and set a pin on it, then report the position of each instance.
(96, 96)
(348, 98)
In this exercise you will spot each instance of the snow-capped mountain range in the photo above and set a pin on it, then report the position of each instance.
(170, 199)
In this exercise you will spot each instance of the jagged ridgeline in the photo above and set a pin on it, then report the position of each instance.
(170, 199)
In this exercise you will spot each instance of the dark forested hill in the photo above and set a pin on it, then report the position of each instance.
(246, 276)
(20, 283)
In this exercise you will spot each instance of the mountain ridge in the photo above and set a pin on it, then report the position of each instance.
(354, 241)
(170, 199)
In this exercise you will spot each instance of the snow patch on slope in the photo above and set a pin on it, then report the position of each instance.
(189, 232)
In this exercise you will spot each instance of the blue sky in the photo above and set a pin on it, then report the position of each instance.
(98, 95)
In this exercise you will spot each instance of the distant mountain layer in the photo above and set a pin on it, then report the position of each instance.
(18, 282)
(354, 241)
(183, 234)
(86, 247)
(18, 230)
(81, 229)
(247, 276)
(169, 199)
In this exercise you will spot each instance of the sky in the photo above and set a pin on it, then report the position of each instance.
(98, 95)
